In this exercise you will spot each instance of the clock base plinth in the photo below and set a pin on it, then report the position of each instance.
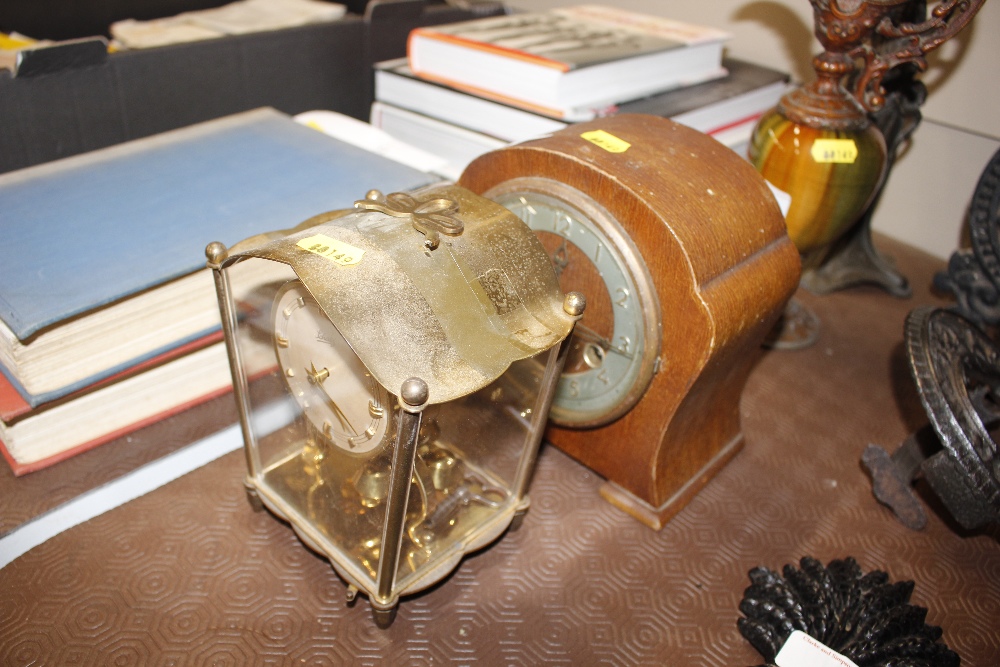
(657, 517)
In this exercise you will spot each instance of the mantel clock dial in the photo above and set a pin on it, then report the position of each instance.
(614, 353)
(338, 395)
(683, 256)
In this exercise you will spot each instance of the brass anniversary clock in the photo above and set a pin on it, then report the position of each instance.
(685, 262)
(393, 367)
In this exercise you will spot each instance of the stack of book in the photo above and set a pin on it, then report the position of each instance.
(470, 87)
(108, 318)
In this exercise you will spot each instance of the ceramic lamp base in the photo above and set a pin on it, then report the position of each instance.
(830, 175)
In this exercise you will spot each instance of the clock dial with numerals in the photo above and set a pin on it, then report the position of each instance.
(614, 350)
(337, 394)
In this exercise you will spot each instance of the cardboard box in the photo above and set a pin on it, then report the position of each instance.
(134, 94)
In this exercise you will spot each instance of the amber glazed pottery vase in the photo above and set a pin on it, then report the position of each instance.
(830, 175)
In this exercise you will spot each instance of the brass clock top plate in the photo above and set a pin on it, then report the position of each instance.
(455, 314)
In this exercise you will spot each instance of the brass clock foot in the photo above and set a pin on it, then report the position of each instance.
(384, 617)
(255, 502)
(519, 513)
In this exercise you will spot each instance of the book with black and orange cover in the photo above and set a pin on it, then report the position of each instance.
(569, 59)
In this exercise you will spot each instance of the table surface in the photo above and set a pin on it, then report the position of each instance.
(188, 574)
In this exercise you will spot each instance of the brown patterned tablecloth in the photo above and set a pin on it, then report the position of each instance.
(189, 575)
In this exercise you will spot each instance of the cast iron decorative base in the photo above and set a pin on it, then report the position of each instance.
(796, 329)
(957, 372)
(861, 616)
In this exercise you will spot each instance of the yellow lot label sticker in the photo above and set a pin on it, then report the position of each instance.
(334, 250)
(841, 151)
(607, 141)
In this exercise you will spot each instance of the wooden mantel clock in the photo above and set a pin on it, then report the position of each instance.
(683, 256)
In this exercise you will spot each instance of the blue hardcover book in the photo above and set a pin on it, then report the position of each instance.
(100, 253)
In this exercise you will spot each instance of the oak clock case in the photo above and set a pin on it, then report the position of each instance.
(393, 366)
(683, 256)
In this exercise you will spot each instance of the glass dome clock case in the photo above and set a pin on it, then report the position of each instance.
(393, 374)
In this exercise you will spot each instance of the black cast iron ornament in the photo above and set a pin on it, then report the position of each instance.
(955, 361)
(973, 275)
(863, 617)
(956, 369)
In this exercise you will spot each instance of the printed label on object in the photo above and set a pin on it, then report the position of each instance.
(801, 650)
(336, 251)
(607, 141)
(840, 151)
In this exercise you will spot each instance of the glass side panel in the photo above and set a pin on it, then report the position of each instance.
(338, 497)
(323, 428)
(467, 461)
(325, 436)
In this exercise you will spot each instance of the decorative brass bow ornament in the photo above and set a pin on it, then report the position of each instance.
(431, 217)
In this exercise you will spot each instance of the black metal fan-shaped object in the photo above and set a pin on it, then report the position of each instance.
(863, 617)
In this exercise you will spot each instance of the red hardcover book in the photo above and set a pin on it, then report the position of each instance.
(34, 438)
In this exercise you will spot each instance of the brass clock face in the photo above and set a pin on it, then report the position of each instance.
(615, 347)
(337, 394)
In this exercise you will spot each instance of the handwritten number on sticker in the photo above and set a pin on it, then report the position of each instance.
(836, 151)
(336, 251)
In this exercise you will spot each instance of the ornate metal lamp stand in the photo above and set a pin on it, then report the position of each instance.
(831, 144)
